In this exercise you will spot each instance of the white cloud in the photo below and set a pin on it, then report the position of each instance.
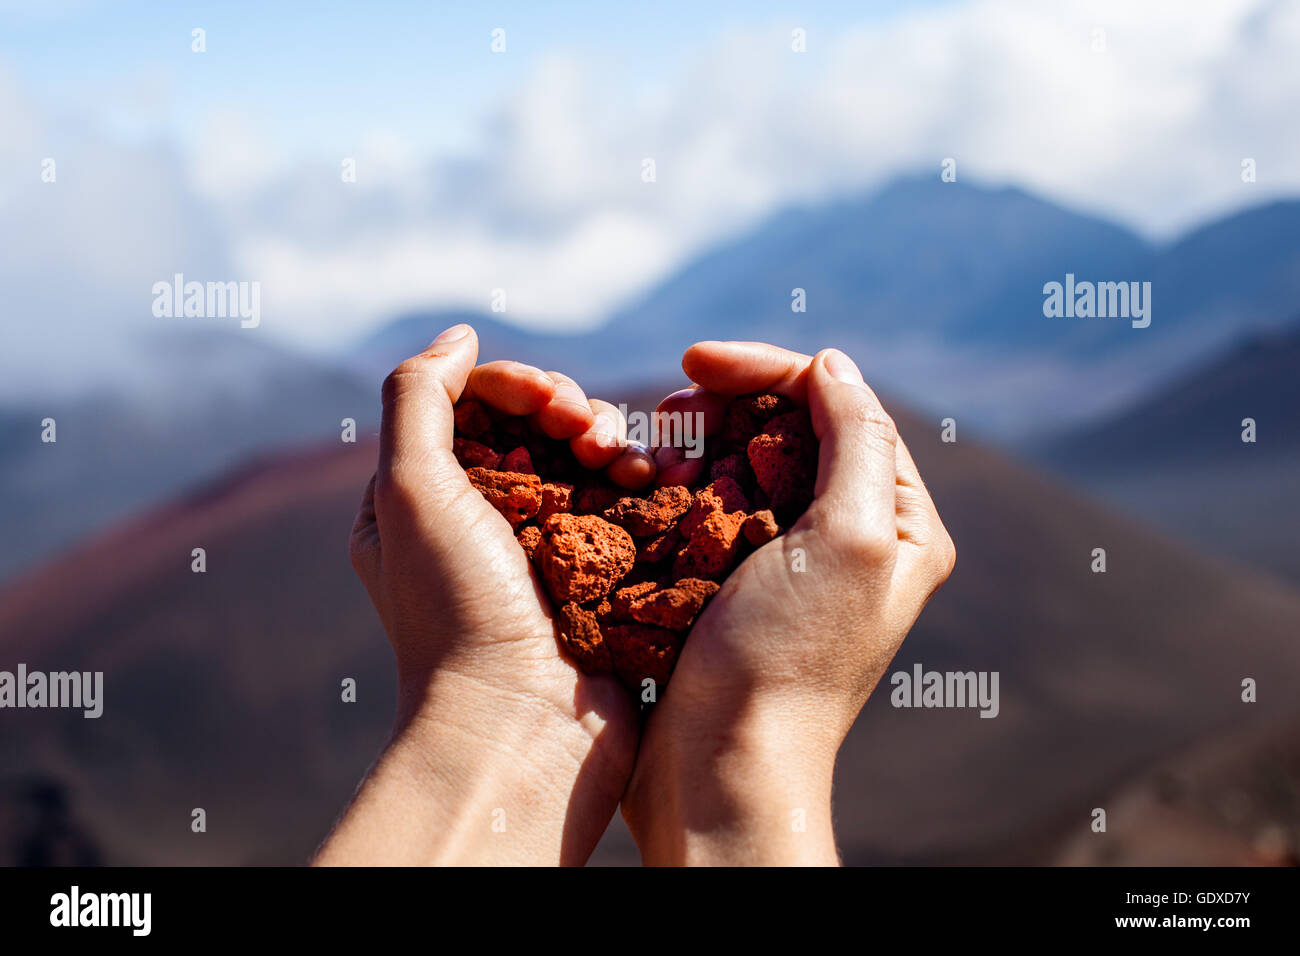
(1150, 131)
(78, 255)
(550, 204)
(232, 158)
(370, 278)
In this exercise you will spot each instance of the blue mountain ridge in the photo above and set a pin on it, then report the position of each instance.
(937, 289)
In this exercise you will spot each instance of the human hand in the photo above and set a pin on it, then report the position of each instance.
(494, 728)
(740, 751)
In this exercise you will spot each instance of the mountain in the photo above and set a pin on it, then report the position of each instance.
(222, 690)
(935, 287)
(1236, 793)
(1198, 416)
(203, 401)
(938, 289)
(1177, 457)
(942, 263)
(1233, 275)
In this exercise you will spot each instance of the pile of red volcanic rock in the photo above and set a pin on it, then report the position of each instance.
(628, 573)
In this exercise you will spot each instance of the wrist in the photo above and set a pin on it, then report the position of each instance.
(751, 794)
(475, 774)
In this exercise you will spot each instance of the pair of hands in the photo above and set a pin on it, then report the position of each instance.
(503, 752)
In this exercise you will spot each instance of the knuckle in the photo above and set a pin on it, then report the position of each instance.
(401, 378)
(873, 546)
(358, 556)
(363, 552)
(877, 426)
(945, 554)
(861, 544)
(872, 423)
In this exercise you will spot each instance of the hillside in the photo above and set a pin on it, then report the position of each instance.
(202, 401)
(937, 287)
(1176, 459)
(1239, 793)
(222, 689)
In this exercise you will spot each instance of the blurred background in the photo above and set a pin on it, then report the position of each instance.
(595, 187)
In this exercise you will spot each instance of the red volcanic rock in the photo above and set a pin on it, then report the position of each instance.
(639, 651)
(529, 538)
(471, 419)
(517, 496)
(760, 528)
(580, 635)
(746, 416)
(474, 454)
(734, 466)
(712, 550)
(518, 460)
(594, 499)
(582, 557)
(676, 607)
(724, 494)
(622, 600)
(784, 459)
(630, 574)
(659, 547)
(556, 499)
(653, 515)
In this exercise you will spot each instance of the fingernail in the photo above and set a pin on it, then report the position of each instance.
(532, 371)
(453, 334)
(681, 393)
(842, 368)
(564, 392)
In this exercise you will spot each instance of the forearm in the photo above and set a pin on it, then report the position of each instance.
(459, 784)
(737, 798)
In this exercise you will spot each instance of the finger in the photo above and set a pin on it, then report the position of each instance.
(363, 542)
(416, 429)
(857, 461)
(706, 410)
(912, 504)
(924, 543)
(568, 413)
(634, 469)
(366, 512)
(511, 387)
(605, 440)
(736, 368)
(674, 468)
(364, 545)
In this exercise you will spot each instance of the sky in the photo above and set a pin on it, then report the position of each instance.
(523, 170)
(317, 75)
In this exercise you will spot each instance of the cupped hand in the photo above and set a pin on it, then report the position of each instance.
(736, 760)
(513, 745)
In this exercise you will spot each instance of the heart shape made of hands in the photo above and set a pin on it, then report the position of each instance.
(629, 574)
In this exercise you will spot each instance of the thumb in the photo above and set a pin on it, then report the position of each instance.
(418, 416)
(856, 469)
